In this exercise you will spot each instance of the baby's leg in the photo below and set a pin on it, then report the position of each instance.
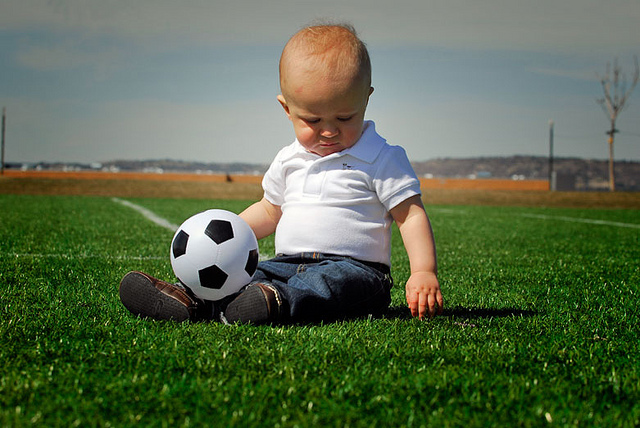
(310, 289)
(337, 288)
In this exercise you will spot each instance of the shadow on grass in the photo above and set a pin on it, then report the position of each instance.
(402, 312)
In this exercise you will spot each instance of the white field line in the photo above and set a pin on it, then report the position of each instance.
(145, 212)
(582, 220)
(94, 256)
(549, 217)
(78, 256)
(445, 211)
(149, 215)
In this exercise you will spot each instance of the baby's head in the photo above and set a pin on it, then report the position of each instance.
(325, 79)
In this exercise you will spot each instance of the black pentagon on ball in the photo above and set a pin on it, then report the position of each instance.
(252, 262)
(219, 231)
(179, 246)
(212, 277)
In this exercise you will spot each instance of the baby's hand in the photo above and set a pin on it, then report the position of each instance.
(424, 295)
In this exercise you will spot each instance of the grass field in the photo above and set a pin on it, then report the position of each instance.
(541, 328)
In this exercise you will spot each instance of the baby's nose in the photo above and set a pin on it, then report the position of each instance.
(329, 131)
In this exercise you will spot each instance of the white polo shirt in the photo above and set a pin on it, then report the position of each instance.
(339, 204)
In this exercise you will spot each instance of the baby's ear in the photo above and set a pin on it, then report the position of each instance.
(284, 105)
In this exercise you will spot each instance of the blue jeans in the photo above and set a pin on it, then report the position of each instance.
(320, 287)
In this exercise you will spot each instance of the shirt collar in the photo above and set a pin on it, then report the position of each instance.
(367, 148)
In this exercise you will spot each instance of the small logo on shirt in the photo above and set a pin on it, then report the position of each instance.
(346, 166)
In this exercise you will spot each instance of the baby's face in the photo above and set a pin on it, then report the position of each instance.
(327, 116)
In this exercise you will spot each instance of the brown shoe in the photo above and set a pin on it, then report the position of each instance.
(148, 297)
(257, 304)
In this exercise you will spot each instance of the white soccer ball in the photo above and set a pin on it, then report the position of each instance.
(214, 253)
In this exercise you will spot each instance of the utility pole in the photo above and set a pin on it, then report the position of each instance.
(4, 124)
(552, 175)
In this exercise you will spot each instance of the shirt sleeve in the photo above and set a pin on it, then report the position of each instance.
(395, 180)
(273, 182)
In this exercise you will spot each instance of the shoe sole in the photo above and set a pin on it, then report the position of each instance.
(142, 298)
(252, 306)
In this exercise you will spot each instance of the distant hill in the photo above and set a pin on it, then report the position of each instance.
(168, 165)
(571, 173)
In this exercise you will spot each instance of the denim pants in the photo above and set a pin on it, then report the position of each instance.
(320, 287)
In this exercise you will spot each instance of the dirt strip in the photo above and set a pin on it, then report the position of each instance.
(248, 188)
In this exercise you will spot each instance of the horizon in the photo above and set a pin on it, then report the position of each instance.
(186, 161)
(92, 81)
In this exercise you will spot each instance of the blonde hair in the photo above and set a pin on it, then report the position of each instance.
(334, 48)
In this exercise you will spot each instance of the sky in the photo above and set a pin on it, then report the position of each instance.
(197, 80)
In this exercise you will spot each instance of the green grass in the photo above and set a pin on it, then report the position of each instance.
(541, 328)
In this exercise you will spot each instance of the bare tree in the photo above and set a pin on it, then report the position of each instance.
(616, 94)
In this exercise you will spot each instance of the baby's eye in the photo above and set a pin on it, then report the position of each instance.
(312, 120)
(345, 119)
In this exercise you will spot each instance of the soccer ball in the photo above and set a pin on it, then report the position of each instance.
(214, 253)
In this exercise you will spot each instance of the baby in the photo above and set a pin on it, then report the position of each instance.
(330, 197)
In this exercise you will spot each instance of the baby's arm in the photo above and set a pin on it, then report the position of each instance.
(423, 289)
(263, 217)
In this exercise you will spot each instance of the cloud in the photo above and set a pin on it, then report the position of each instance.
(145, 129)
(580, 74)
(69, 55)
(543, 25)
(98, 80)
(151, 21)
